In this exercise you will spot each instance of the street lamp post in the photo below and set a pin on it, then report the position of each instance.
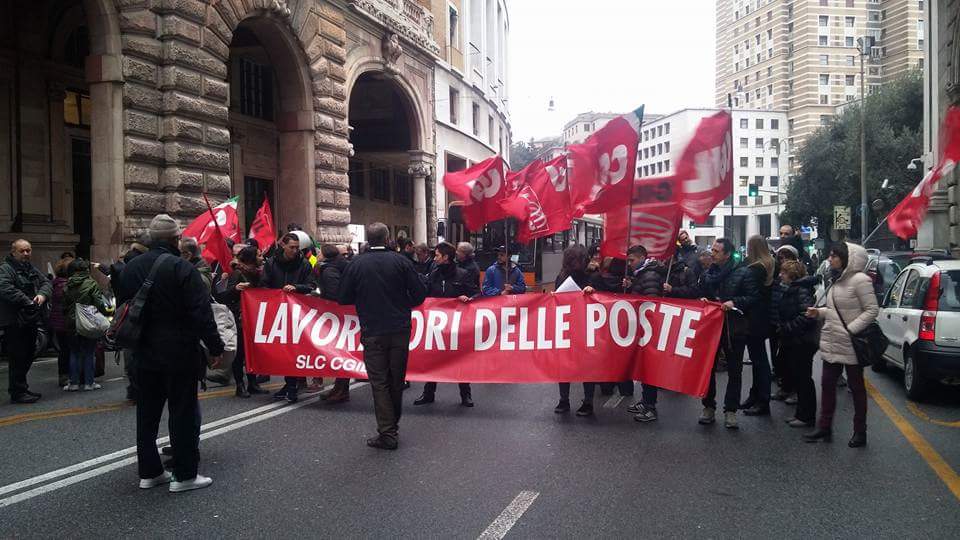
(863, 46)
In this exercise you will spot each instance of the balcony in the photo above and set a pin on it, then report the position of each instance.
(406, 18)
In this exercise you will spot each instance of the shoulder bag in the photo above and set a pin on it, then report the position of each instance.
(869, 345)
(127, 325)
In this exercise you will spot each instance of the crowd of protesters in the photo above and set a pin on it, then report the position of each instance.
(767, 299)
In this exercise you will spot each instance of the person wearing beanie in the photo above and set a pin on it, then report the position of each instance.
(177, 317)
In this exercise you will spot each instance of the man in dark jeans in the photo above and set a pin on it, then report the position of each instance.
(176, 317)
(23, 291)
(384, 287)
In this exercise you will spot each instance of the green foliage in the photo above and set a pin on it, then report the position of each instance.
(830, 159)
(521, 154)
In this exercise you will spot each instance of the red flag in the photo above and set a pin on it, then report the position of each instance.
(549, 201)
(905, 220)
(601, 170)
(215, 248)
(481, 188)
(261, 229)
(705, 168)
(655, 218)
(225, 217)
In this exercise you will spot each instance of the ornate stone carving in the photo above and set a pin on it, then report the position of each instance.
(279, 7)
(391, 48)
(406, 18)
(420, 169)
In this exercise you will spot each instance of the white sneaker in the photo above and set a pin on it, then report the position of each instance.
(89, 387)
(147, 483)
(199, 482)
(71, 388)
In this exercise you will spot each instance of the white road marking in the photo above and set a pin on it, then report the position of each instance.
(613, 402)
(115, 379)
(510, 516)
(252, 416)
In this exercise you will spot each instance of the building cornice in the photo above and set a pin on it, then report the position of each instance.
(407, 18)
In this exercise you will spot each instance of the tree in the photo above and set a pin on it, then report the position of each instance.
(830, 159)
(521, 153)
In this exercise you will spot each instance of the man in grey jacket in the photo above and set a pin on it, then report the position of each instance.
(23, 291)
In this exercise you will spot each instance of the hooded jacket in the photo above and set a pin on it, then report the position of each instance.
(648, 280)
(20, 282)
(329, 274)
(81, 289)
(852, 297)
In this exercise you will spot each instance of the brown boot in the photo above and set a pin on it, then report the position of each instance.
(339, 395)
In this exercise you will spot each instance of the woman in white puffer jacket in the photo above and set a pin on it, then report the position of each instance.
(851, 297)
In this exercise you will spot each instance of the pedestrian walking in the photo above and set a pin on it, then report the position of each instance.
(798, 338)
(447, 280)
(851, 306)
(23, 293)
(503, 277)
(760, 262)
(176, 317)
(384, 287)
(575, 261)
(289, 271)
(58, 323)
(82, 290)
(738, 288)
(329, 276)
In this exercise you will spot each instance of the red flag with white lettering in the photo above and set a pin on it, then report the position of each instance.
(601, 170)
(654, 222)
(541, 200)
(905, 220)
(705, 169)
(262, 229)
(481, 188)
(224, 215)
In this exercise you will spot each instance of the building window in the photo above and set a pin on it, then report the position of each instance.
(744, 161)
(256, 90)
(874, 16)
(822, 41)
(744, 142)
(659, 131)
(769, 71)
(851, 60)
(402, 190)
(759, 123)
(774, 164)
(659, 167)
(849, 3)
(824, 20)
(850, 80)
(744, 181)
(824, 59)
(774, 199)
(759, 162)
(476, 119)
(774, 181)
(380, 185)
(490, 129)
(849, 97)
(775, 143)
(587, 127)
(849, 22)
(743, 200)
(666, 147)
(824, 79)
(744, 123)
(454, 105)
(759, 199)
(824, 99)
(659, 148)
(666, 129)
(774, 123)
(758, 143)
(355, 174)
(848, 41)
(666, 165)
(454, 36)
(824, 119)
(769, 89)
(758, 180)
(76, 109)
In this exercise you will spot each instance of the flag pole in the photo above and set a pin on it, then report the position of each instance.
(626, 268)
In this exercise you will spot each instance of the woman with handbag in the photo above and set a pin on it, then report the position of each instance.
(850, 311)
(82, 291)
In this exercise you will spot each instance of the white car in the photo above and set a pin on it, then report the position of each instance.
(920, 315)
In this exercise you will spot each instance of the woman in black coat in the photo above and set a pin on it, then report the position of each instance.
(575, 261)
(798, 338)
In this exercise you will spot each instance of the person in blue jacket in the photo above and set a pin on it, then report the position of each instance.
(495, 280)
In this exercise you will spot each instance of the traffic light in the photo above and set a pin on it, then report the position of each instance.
(754, 191)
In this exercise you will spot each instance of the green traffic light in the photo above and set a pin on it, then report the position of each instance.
(754, 190)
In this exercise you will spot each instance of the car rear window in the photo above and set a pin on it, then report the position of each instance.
(950, 291)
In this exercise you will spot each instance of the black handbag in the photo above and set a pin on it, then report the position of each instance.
(869, 345)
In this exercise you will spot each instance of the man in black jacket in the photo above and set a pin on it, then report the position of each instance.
(738, 288)
(329, 274)
(176, 317)
(448, 280)
(287, 270)
(23, 292)
(384, 287)
(647, 278)
(790, 237)
(466, 261)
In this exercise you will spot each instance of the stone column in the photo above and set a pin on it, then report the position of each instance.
(420, 168)
(107, 159)
(58, 154)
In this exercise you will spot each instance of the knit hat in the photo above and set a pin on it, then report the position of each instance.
(792, 250)
(163, 227)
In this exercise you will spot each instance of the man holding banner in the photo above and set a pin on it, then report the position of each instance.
(384, 287)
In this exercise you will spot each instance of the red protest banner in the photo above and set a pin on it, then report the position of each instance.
(535, 338)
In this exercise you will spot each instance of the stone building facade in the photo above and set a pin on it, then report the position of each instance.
(941, 228)
(114, 110)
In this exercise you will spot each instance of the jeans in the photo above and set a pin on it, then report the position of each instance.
(731, 399)
(648, 395)
(82, 359)
(564, 391)
(760, 390)
(386, 361)
(19, 343)
(63, 354)
(831, 372)
(430, 388)
(179, 392)
(589, 389)
(799, 357)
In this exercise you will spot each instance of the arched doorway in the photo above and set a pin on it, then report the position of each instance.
(271, 124)
(387, 169)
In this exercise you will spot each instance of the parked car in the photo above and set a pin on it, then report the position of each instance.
(920, 315)
(882, 270)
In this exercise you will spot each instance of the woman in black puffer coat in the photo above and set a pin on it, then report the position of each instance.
(798, 338)
(575, 261)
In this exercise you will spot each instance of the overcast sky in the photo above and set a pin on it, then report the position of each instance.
(606, 55)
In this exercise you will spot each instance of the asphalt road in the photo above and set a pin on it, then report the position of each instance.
(303, 471)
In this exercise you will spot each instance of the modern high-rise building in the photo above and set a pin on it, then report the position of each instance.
(802, 56)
